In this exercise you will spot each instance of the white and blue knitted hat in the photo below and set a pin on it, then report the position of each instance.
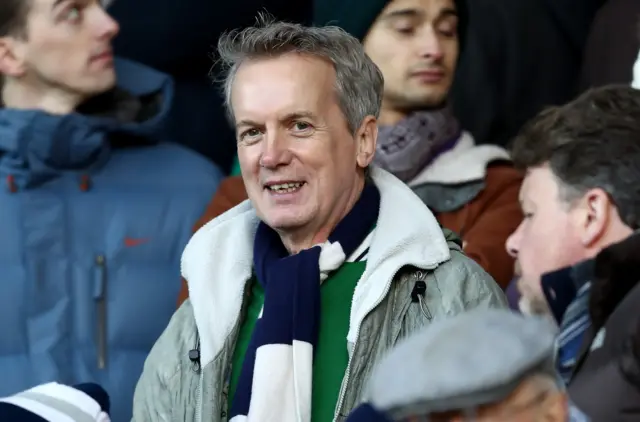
(55, 402)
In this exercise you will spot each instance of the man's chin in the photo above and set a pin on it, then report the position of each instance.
(285, 223)
(535, 308)
(425, 98)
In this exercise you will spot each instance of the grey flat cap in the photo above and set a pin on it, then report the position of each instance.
(463, 362)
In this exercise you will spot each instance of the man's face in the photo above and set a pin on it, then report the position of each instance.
(546, 240)
(529, 402)
(415, 45)
(67, 47)
(299, 161)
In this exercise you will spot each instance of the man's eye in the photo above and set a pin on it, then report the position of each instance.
(448, 28)
(405, 30)
(301, 126)
(250, 135)
(73, 14)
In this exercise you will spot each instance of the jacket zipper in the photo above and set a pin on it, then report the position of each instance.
(199, 396)
(100, 295)
(345, 384)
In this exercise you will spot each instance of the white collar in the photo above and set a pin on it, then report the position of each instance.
(466, 162)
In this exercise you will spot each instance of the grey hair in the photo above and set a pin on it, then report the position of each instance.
(359, 82)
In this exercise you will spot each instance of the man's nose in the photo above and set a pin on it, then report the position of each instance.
(109, 28)
(512, 245)
(275, 152)
(430, 45)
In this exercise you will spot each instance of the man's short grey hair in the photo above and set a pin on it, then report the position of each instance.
(359, 82)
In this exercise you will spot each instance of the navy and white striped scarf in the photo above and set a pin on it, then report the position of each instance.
(276, 378)
(574, 325)
(567, 291)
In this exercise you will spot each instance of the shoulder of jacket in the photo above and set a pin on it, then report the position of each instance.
(465, 280)
(502, 173)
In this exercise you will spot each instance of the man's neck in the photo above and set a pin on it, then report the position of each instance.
(52, 101)
(616, 233)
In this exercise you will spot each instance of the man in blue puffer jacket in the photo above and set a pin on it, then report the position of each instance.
(95, 208)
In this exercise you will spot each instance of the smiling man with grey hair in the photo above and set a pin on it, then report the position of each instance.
(296, 293)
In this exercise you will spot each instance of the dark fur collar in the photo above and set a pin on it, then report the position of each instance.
(616, 272)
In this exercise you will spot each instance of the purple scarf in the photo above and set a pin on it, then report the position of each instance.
(406, 148)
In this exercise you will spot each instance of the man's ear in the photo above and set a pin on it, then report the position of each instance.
(593, 215)
(555, 407)
(366, 139)
(12, 63)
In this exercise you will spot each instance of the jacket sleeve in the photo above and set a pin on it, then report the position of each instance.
(230, 193)
(158, 391)
(151, 401)
(496, 216)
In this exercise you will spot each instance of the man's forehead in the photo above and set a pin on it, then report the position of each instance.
(43, 4)
(278, 87)
(538, 181)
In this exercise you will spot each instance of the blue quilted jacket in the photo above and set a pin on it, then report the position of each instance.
(95, 209)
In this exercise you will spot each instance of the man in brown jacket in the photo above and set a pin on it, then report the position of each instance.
(472, 190)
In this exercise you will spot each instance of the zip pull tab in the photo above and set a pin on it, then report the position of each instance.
(100, 296)
(418, 294)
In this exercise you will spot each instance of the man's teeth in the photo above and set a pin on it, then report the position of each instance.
(286, 187)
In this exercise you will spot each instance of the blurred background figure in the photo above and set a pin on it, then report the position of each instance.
(96, 203)
(505, 75)
(482, 366)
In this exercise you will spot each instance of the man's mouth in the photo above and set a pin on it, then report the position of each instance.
(104, 55)
(287, 187)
